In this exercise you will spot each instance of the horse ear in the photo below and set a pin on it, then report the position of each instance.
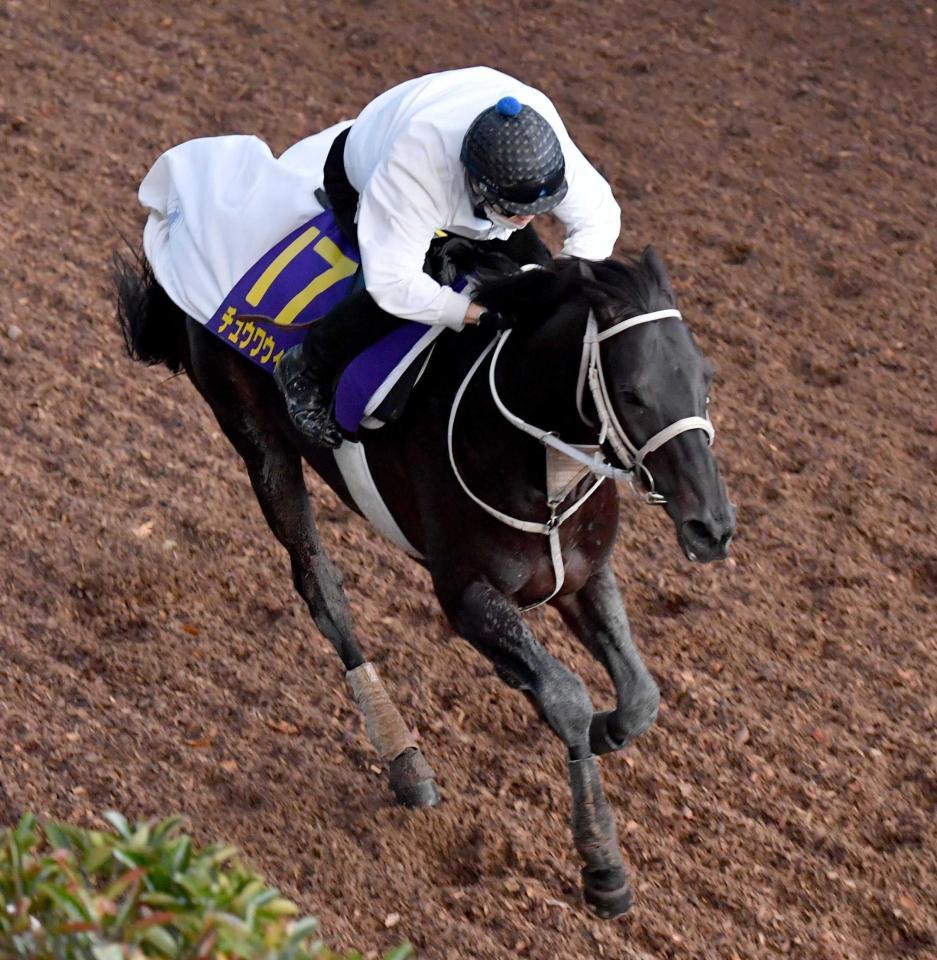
(652, 261)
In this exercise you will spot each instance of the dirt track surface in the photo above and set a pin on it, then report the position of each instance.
(155, 658)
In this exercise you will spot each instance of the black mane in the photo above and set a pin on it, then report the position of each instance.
(624, 285)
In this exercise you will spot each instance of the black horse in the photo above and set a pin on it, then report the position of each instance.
(452, 480)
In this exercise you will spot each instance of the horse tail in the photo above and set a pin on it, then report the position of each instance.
(152, 325)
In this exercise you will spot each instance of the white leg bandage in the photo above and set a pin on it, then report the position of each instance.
(385, 726)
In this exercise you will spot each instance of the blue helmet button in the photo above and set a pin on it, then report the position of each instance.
(508, 107)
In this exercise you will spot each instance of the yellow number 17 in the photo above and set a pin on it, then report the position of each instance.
(340, 267)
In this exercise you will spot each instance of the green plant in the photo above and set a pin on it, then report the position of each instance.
(141, 891)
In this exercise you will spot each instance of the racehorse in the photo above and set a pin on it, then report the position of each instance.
(599, 369)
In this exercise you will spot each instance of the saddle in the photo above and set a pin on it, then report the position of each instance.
(374, 388)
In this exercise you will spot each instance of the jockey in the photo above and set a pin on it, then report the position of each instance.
(472, 152)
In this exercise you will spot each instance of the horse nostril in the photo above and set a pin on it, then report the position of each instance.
(699, 532)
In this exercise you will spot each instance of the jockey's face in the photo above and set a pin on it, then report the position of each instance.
(504, 218)
(518, 219)
(521, 222)
(491, 210)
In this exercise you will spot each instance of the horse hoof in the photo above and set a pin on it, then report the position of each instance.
(601, 739)
(411, 779)
(422, 794)
(606, 903)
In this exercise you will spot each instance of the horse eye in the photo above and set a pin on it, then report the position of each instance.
(631, 398)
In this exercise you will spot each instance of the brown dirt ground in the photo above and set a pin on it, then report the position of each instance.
(782, 158)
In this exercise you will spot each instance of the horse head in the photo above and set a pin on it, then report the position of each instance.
(654, 385)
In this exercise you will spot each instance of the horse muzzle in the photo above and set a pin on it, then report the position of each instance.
(707, 538)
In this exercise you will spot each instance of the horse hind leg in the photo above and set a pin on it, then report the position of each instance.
(281, 491)
(285, 502)
(494, 627)
(275, 472)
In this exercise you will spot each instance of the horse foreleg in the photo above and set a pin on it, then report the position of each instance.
(275, 472)
(596, 614)
(495, 628)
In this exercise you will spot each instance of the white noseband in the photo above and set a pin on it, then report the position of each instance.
(590, 369)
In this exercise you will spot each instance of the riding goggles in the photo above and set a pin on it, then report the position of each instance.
(526, 198)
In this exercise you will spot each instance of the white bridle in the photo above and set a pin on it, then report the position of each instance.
(590, 369)
(630, 455)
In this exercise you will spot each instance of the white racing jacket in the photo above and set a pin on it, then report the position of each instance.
(402, 156)
(216, 205)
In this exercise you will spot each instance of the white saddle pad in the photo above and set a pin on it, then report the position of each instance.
(217, 204)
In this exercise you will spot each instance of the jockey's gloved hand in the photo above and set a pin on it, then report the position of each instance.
(495, 321)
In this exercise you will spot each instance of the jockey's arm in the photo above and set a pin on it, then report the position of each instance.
(398, 214)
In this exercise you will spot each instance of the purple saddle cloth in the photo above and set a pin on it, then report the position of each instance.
(376, 384)
(366, 388)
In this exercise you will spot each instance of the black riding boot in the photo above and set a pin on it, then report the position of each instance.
(306, 373)
(308, 398)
